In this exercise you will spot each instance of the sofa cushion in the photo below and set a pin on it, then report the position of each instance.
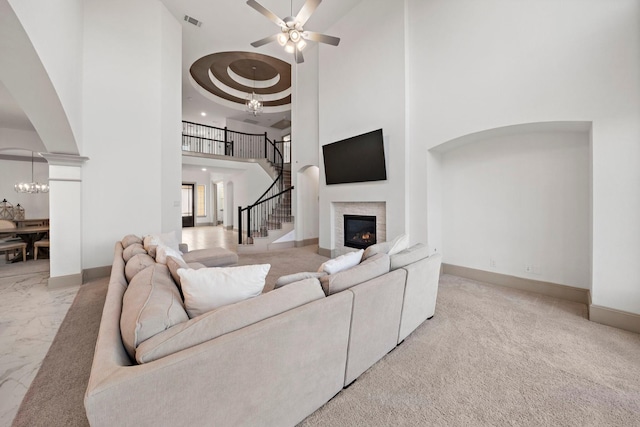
(296, 277)
(130, 239)
(342, 262)
(132, 250)
(212, 257)
(398, 244)
(409, 255)
(228, 319)
(150, 305)
(378, 248)
(136, 264)
(209, 288)
(174, 263)
(375, 266)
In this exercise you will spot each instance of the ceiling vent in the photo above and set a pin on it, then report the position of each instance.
(253, 122)
(193, 21)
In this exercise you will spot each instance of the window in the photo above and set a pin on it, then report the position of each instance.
(201, 200)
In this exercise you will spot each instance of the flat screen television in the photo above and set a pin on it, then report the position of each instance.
(356, 159)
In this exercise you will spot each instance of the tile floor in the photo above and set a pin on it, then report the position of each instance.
(31, 314)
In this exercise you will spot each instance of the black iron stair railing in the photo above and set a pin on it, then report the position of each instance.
(273, 207)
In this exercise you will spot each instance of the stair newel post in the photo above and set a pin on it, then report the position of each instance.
(239, 225)
(249, 240)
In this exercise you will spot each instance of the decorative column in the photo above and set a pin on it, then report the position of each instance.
(65, 218)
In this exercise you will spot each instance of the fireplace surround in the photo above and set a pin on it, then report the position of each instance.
(339, 209)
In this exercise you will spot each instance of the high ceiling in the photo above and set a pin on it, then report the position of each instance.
(227, 26)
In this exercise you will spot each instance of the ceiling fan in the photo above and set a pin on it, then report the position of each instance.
(292, 35)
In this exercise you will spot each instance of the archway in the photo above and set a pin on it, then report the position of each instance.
(307, 203)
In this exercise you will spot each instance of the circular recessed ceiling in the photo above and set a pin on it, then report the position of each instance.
(229, 77)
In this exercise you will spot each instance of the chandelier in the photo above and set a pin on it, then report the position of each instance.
(33, 186)
(254, 102)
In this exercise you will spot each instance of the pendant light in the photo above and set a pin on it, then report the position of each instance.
(254, 102)
(33, 186)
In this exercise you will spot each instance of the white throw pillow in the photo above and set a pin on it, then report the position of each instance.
(151, 242)
(343, 262)
(400, 243)
(209, 288)
(162, 252)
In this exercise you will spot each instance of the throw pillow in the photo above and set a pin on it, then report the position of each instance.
(152, 241)
(162, 252)
(296, 277)
(398, 244)
(209, 288)
(378, 248)
(131, 251)
(342, 262)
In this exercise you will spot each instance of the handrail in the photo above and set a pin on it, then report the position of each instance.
(273, 206)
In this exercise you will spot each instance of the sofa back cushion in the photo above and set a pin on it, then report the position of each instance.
(378, 248)
(368, 269)
(132, 250)
(130, 239)
(150, 305)
(228, 319)
(136, 264)
(409, 256)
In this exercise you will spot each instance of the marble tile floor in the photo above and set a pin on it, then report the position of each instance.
(31, 314)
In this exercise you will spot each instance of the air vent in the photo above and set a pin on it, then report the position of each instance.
(193, 21)
(253, 122)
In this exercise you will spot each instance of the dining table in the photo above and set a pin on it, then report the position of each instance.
(29, 234)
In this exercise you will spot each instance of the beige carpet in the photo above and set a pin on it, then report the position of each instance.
(490, 356)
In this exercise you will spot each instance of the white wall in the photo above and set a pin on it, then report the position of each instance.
(54, 30)
(171, 124)
(483, 65)
(128, 76)
(22, 139)
(520, 200)
(13, 171)
(307, 221)
(361, 86)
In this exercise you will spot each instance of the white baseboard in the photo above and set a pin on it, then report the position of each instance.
(60, 282)
(616, 318)
(306, 242)
(555, 290)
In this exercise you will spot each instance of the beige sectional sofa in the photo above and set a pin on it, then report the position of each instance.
(271, 360)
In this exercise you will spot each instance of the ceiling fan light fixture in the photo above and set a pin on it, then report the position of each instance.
(294, 36)
(289, 47)
(301, 44)
(283, 38)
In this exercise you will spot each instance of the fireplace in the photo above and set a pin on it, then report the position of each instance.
(359, 231)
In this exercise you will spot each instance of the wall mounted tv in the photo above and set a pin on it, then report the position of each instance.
(356, 159)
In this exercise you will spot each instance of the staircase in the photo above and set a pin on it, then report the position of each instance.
(274, 219)
(269, 218)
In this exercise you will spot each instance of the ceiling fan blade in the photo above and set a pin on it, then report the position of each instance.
(266, 12)
(298, 55)
(307, 10)
(264, 41)
(321, 38)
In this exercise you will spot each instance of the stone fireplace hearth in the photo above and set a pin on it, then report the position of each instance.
(359, 209)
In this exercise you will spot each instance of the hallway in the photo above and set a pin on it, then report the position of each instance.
(209, 237)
